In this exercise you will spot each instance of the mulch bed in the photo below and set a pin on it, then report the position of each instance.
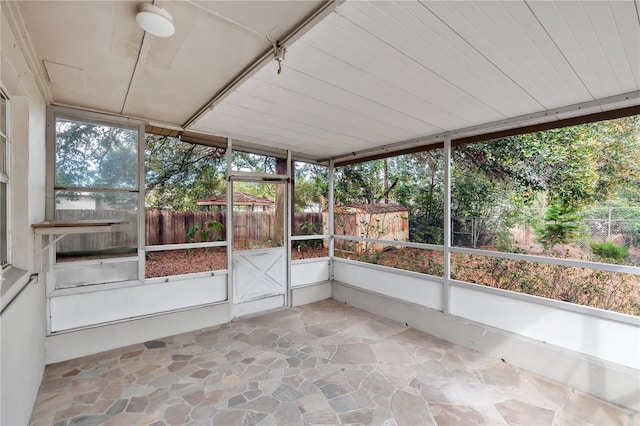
(179, 262)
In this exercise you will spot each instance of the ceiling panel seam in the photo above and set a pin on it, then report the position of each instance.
(295, 134)
(267, 115)
(334, 105)
(289, 117)
(369, 99)
(16, 22)
(483, 55)
(142, 54)
(397, 88)
(344, 120)
(612, 66)
(620, 39)
(544, 28)
(258, 35)
(443, 78)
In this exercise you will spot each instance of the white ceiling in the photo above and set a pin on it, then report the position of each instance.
(86, 51)
(369, 75)
(378, 73)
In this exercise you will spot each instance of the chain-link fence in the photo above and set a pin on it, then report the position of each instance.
(620, 225)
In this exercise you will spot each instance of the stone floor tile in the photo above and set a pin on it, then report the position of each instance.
(323, 363)
(501, 375)
(520, 413)
(262, 404)
(177, 414)
(357, 353)
(363, 417)
(456, 415)
(231, 417)
(391, 352)
(595, 411)
(343, 404)
(409, 409)
(286, 393)
(288, 414)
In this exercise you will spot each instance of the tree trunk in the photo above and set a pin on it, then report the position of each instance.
(281, 169)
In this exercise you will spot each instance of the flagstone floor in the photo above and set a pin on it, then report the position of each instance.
(323, 363)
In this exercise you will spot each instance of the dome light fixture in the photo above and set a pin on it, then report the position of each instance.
(155, 20)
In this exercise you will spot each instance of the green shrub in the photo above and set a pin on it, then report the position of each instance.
(609, 250)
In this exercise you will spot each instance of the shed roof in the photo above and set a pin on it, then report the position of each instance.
(239, 199)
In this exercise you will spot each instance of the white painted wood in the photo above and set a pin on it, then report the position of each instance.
(411, 287)
(586, 35)
(599, 337)
(309, 271)
(509, 36)
(311, 293)
(329, 113)
(626, 18)
(332, 124)
(420, 69)
(64, 346)
(99, 307)
(258, 273)
(426, 40)
(383, 61)
(22, 328)
(267, 117)
(258, 305)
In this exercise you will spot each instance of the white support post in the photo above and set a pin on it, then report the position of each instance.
(141, 225)
(446, 302)
(229, 227)
(288, 232)
(330, 220)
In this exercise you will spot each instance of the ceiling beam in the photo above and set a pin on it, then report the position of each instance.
(266, 57)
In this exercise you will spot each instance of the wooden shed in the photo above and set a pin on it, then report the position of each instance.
(377, 221)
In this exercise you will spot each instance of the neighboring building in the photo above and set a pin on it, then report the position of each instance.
(240, 199)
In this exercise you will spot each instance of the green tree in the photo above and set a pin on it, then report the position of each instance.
(179, 173)
(561, 226)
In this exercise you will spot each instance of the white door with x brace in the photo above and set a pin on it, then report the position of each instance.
(259, 253)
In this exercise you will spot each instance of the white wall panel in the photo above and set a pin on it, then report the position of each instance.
(602, 338)
(309, 271)
(84, 309)
(411, 287)
(78, 343)
(310, 293)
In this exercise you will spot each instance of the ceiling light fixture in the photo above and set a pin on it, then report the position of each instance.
(155, 20)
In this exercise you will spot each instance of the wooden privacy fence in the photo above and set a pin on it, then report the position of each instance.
(172, 227)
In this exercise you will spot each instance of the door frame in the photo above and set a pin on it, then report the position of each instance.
(238, 176)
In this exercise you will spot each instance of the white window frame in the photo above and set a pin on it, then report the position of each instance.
(6, 178)
(56, 112)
